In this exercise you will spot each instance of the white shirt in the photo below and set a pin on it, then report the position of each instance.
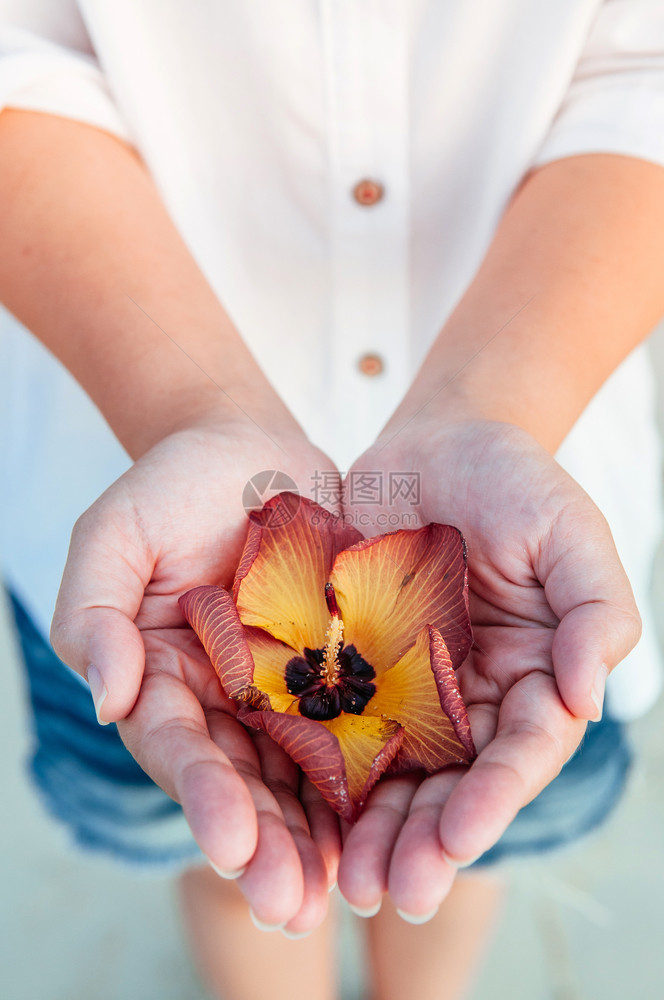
(257, 119)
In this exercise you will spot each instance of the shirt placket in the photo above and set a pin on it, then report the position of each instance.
(365, 45)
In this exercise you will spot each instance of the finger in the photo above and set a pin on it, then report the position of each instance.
(93, 626)
(589, 592)
(324, 827)
(281, 777)
(420, 876)
(273, 883)
(209, 763)
(535, 736)
(167, 734)
(590, 641)
(286, 876)
(365, 860)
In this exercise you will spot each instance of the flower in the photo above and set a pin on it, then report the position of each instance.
(344, 649)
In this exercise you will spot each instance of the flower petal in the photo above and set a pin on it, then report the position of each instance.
(212, 614)
(313, 747)
(412, 693)
(286, 562)
(270, 658)
(448, 691)
(320, 752)
(368, 746)
(389, 587)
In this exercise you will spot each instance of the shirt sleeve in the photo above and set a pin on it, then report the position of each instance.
(47, 64)
(615, 102)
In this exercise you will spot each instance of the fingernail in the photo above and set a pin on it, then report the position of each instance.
(228, 875)
(264, 927)
(370, 911)
(98, 690)
(412, 918)
(294, 935)
(597, 693)
(460, 864)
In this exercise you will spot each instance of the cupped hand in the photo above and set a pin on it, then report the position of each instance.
(552, 613)
(174, 521)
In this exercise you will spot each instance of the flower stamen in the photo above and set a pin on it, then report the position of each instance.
(334, 638)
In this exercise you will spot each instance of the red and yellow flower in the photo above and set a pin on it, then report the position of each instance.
(344, 649)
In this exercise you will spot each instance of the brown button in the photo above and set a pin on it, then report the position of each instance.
(368, 192)
(371, 364)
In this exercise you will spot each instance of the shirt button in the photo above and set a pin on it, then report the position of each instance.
(368, 193)
(371, 364)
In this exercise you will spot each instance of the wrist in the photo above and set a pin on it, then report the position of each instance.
(233, 410)
(500, 388)
(445, 440)
(422, 422)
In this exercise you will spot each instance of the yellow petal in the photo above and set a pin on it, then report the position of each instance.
(279, 585)
(368, 746)
(388, 588)
(408, 693)
(270, 658)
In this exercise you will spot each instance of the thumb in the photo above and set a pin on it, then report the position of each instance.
(590, 641)
(93, 628)
(589, 592)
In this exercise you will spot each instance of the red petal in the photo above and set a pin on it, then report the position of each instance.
(287, 559)
(448, 691)
(319, 753)
(388, 588)
(213, 616)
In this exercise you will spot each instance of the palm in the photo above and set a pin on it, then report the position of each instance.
(549, 603)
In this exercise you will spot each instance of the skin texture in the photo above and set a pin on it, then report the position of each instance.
(92, 264)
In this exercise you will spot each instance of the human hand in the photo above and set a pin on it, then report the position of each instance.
(552, 612)
(173, 521)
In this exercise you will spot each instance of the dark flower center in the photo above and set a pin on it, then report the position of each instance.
(322, 697)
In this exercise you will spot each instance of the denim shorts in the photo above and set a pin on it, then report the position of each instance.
(90, 782)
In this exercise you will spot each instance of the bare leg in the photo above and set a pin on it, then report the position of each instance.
(437, 960)
(239, 962)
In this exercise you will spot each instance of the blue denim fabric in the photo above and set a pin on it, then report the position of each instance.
(91, 782)
(86, 776)
(582, 796)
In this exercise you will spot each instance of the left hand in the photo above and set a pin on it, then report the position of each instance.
(174, 520)
(552, 613)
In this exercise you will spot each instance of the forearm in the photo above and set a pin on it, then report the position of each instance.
(93, 265)
(572, 282)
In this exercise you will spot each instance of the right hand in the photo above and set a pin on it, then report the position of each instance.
(174, 521)
(552, 612)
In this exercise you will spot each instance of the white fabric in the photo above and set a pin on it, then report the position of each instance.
(257, 119)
